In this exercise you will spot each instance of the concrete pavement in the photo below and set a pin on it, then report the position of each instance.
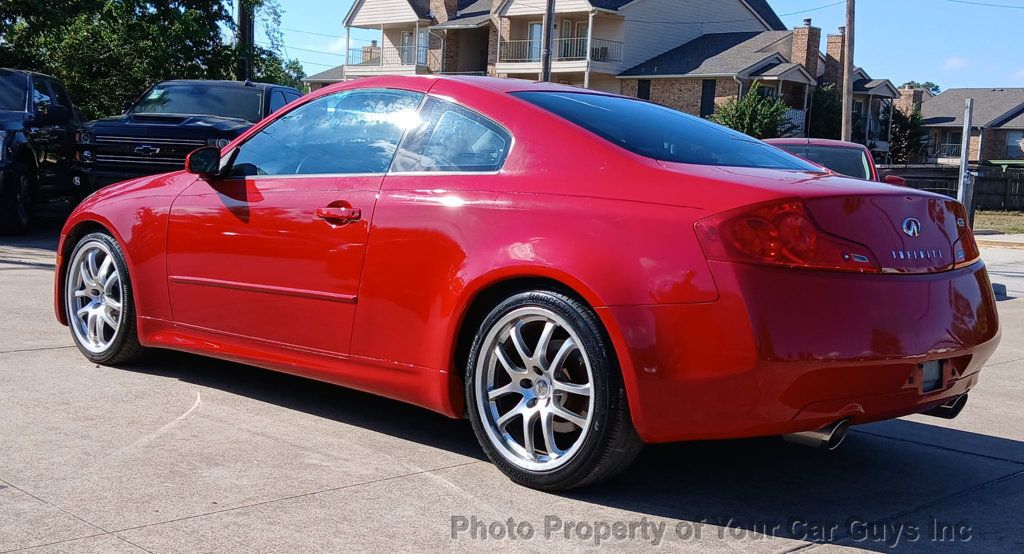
(182, 454)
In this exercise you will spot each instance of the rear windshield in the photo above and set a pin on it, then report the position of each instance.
(847, 161)
(194, 99)
(12, 91)
(661, 133)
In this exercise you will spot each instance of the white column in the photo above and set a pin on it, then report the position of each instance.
(590, 37)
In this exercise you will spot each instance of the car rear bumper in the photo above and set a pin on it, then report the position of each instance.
(784, 351)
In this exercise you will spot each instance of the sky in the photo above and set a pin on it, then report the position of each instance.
(955, 43)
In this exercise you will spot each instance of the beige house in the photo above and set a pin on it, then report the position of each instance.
(997, 131)
(594, 40)
(691, 55)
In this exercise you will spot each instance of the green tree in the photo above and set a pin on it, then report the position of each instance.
(935, 89)
(826, 113)
(908, 136)
(758, 115)
(108, 51)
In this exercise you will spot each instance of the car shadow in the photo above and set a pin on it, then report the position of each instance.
(893, 471)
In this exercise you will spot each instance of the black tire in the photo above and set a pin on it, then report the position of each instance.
(124, 345)
(605, 446)
(16, 204)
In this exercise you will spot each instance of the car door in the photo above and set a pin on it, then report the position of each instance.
(63, 135)
(44, 134)
(274, 251)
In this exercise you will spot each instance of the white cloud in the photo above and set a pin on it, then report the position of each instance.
(1019, 74)
(956, 62)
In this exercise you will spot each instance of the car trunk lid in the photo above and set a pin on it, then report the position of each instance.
(907, 233)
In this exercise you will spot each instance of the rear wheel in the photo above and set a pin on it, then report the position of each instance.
(545, 395)
(16, 202)
(98, 301)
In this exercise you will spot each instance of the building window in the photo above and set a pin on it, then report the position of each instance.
(643, 89)
(1014, 140)
(707, 97)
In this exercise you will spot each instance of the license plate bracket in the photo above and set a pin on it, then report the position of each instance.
(931, 376)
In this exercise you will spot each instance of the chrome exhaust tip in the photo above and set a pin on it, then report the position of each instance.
(950, 409)
(828, 437)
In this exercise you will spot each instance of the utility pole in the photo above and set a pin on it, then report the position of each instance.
(546, 40)
(244, 40)
(848, 71)
(965, 190)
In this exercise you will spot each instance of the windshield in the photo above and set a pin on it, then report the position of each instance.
(203, 99)
(661, 133)
(852, 162)
(12, 91)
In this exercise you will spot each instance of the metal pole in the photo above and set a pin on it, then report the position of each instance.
(590, 37)
(965, 192)
(848, 71)
(546, 38)
(246, 34)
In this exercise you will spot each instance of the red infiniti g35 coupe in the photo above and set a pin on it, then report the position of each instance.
(576, 272)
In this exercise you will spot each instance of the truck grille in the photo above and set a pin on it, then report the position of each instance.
(149, 151)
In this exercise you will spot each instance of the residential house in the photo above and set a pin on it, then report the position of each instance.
(594, 40)
(691, 55)
(700, 75)
(997, 129)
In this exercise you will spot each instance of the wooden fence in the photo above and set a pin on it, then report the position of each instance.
(994, 187)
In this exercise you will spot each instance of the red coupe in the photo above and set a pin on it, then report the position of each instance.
(578, 273)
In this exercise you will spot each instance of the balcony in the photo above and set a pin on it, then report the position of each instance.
(948, 150)
(387, 55)
(563, 50)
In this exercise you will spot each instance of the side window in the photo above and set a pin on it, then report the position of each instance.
(290, 96)
(277, 101)
(453, 138)
(41, 98)
(348, 132)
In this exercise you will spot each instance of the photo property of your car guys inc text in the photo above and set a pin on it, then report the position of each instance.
(511, 275)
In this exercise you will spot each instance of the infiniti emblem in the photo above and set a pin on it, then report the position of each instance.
(912, 227)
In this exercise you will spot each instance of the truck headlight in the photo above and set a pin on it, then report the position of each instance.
(85, 137)
(219, 143)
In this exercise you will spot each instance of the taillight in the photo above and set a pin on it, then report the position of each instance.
(965, 251)
(780, 233)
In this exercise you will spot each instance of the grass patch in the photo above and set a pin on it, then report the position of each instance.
(1003, 222)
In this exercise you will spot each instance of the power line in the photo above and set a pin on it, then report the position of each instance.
(263, 43)
(986, 4)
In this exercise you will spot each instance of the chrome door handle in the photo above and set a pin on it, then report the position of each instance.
(339, 216)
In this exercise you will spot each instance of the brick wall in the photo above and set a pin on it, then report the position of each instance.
(834, 59)
(683, 94)
(909, 100)
(493, 36)
(806, 44)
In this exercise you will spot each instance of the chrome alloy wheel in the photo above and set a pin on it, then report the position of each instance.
(534, 389)
(95, 297)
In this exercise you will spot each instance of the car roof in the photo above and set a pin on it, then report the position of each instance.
(219, 83)
(28, 72)
(816, 142)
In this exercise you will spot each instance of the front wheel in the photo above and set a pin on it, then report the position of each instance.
(16, 204)
(98, 301)
(545, 395)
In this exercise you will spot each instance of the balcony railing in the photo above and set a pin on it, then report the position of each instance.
(388, 55)
(948, 150)
(563, 49)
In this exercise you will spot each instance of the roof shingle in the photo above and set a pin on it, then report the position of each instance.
(711, 54)
(997, 107)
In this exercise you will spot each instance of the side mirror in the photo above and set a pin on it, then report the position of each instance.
(895, 180)
(53, 115)
(204, 162)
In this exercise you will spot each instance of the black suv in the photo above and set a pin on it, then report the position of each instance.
(37, 145)
(170, 120)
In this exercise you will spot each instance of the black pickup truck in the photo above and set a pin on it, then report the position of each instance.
(37, 145)
(170, 120)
